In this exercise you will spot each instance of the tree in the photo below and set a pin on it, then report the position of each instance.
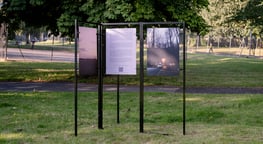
(34, 13)
(3, 30)
(147, 10)
(59, 15)
(70, 12)
(252, 13)
(217, 16)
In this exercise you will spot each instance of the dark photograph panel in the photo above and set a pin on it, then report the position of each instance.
(163, 51)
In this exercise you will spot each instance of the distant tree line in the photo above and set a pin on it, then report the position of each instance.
(225, 18)
(58, 16)
(235, 22)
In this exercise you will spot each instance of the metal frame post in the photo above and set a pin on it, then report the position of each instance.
(118, 99)
(141, 79)
(100, 75)
(76, 78)
(184, 80)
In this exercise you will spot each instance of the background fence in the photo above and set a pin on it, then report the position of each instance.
(239, 46)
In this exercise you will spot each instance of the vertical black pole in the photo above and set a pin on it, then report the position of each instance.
(118, 99)
(100, 75)
(184, 78)
(76, 78)
(141, 79)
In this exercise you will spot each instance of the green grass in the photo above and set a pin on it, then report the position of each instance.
(36, 71)
(34, 117)
(224, 71)
(202, 70)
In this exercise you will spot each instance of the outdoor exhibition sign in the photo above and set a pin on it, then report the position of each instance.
(121, 51)
(119, 54)
(87, 51)
(163, 51)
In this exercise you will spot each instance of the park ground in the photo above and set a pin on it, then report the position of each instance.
(223, 104)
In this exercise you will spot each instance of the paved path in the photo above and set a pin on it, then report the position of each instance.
(66, 86)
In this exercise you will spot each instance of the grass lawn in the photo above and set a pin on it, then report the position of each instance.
(48, 117)
(223, 71)
(36, 71)
(202, 70)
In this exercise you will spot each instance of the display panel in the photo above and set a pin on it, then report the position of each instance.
(87, 51)
(121, 51)
(163, 51)
(87, 43)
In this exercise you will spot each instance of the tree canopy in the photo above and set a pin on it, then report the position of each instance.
(59, 15)
(219, 17)
(252, 14)
(34, 13)
(148, 10)
(234, 17)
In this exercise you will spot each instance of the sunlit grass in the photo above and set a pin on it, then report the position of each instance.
(11, 136)
(223, 71)
(36, 71)
(202, 70)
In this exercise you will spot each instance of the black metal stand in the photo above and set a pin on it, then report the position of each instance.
(100, 76)
(101, 72)
(141, 79)
(184, 80)
(76, 78)
(118, 99)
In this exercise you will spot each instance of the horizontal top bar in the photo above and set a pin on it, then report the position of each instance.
(79, 22)
(138, 23)
(133, 23)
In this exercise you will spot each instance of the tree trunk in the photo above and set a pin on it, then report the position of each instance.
(3, 41)
(230, 42)
(198, 41)
(218, 42)
(27, 38)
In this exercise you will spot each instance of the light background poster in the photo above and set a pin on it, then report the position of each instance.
(121, 51)
(163, 51)
(87, 43)
(87, 51)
